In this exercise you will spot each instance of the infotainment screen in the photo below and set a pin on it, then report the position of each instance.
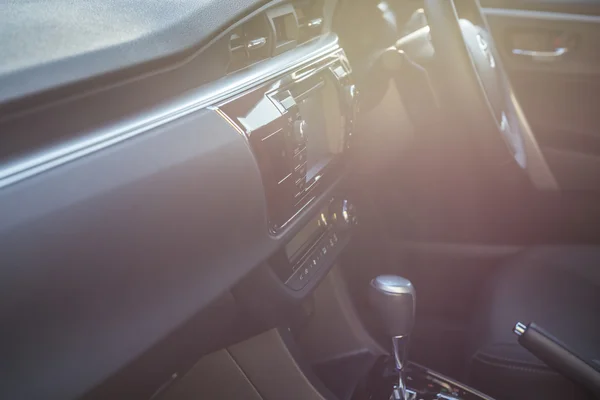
(320, 108)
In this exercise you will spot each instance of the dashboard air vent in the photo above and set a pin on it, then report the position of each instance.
(238, 56)
(249, 43)
(284, 25)
(310, 19)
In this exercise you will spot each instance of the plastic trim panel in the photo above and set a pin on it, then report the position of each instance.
(105, 256)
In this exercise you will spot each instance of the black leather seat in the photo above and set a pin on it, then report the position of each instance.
(558, 288)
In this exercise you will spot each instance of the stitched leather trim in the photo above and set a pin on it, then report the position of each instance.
(494, 357)
(482, 358)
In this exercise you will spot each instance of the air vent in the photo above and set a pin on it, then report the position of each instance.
(277, 30)
(310, 19)
(249, 43)
(238, 56)
(285, 28)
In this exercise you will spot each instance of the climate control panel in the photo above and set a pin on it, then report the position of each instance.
(313, 250)
(320, 257)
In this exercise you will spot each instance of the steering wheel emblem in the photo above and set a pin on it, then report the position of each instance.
(485, 49)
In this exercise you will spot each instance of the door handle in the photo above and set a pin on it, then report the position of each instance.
(542, 56)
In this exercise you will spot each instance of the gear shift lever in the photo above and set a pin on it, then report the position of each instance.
(393, 300)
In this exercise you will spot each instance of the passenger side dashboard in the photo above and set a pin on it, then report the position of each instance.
(133, 202)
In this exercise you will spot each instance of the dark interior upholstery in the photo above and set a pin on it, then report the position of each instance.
(556, 287)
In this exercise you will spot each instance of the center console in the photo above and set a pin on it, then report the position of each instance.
(316, 247)
(392, 299)
(299, 126)
(422, 384)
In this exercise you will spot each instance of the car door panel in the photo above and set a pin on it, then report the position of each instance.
(584, 7)
(559, 92)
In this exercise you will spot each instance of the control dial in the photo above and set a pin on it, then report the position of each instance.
(300, 130)
(343, 214)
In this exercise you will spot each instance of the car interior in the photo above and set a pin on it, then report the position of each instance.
(300, 199)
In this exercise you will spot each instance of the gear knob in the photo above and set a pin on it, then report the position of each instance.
(393, 300)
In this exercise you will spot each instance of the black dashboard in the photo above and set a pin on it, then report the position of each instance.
(148, 174)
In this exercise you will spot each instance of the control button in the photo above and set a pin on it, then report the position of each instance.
(298, 280)
(300, 157)
(299, 149)
(351, 93)
(300, 130)
(300, 183)
(300, 170)
(343, 214)
(323, 220)
(298, 195)
(303, 275)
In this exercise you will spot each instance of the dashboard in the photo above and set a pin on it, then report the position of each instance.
(143, 178)
(175, 175)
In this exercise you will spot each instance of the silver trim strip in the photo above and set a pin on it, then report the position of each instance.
(297, 167)
(280, 227)
(283, 180)
(542, 15)
(271, 134)
(198, 99)
(298, 98)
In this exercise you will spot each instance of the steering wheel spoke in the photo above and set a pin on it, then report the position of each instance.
(476, 90)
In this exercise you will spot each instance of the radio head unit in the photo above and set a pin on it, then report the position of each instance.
(298, 126)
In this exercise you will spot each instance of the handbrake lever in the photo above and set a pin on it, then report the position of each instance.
(558, 356)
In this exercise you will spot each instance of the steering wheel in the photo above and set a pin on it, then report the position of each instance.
(472, 84)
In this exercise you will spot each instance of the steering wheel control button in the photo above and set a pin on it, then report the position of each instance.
(485, 49)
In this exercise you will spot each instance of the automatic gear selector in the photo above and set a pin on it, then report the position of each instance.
(393, 300)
